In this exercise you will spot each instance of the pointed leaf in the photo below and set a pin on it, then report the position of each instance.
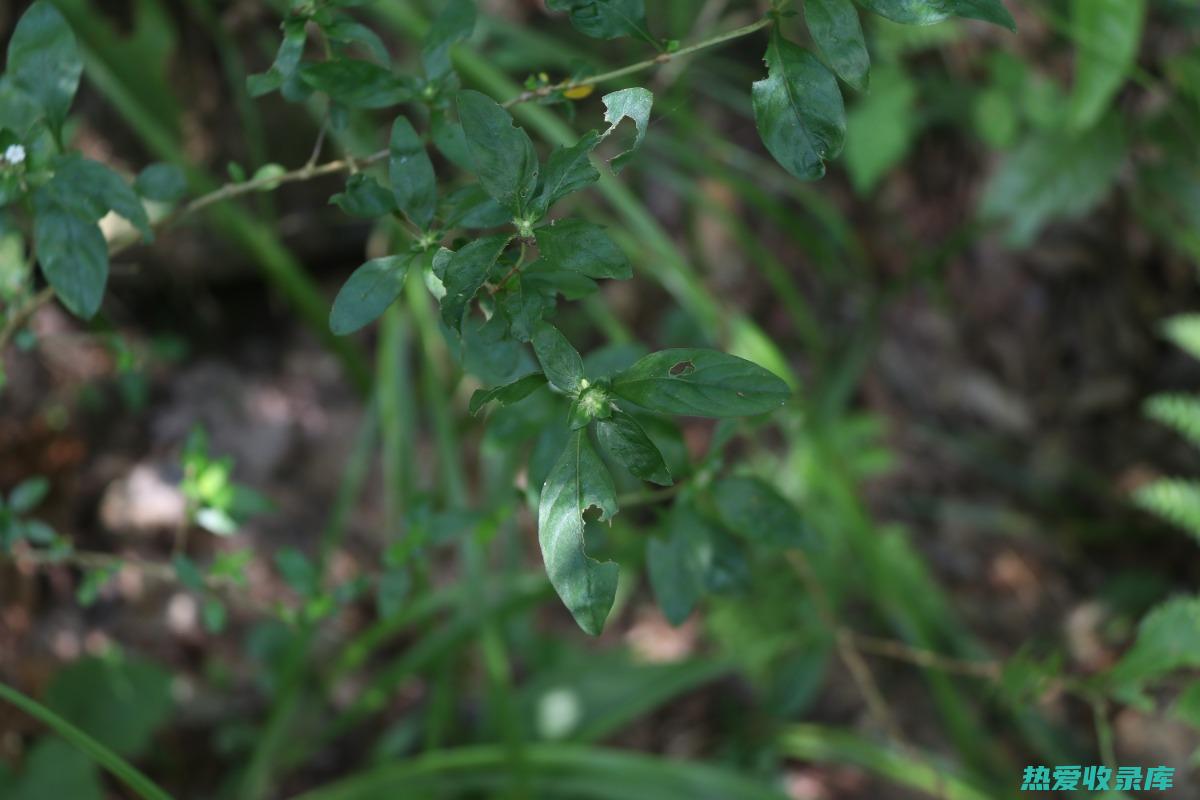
(798, 109)
(411, 172)
(504, 158)
(509, 393)
(1107, 35)
(287, 60)
(701, 383)
(44, 60)
(581, 246)
(576, 483)
(634, 103)
(560, 361)
(466, 271)
(364, 197)
(836, 30)
(623, 438)
(90, 189)
(369, 291)
(568, 169)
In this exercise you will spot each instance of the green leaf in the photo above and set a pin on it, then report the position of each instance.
(683, 566)
(837, 32)
(356, 84)
(27, 494)
(367, 294)
(1183, 331)
(472, 207)
(364, 197)
(568, 169)
(929, 12)
(580, 246)
(753, 509)
(623, 438)
(466, 271)
(509, 393)
(455, 23)
(54, 768)
(287, 60)
(90, 189)
(19, 111)
(73, 256)
(122, 703)
(44, 60)
(881, 128)
(393, 589)
(798, 109)
(164, 183)
(634, 103)
(577, 482)
(1107, 34)
(503, 155)
(1053, 176)
(1168, 639)
(451, 142)
(700, 383)
(411, 174)
(560, 361)
(607, 19)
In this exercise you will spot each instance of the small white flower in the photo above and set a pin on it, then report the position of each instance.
(14, 154)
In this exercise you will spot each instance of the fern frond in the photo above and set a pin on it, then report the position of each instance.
(1174, 499)
(1184, 331)
(1178, 411)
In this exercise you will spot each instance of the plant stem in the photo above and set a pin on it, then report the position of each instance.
(659, 60)
(119, 767)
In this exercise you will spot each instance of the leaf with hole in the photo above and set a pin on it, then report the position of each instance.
(577, 482)
(634, 104)
(700, 383)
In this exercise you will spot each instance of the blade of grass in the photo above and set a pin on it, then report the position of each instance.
(128, 774)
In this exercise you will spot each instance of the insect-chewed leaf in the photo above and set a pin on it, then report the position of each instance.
(364, 197)
(44, 59)
(465, 272)
(560, 361)
(634, 103)
(581, 246)
(798, 109)
(411, 173)
(835, 28)
(754, 510)
(568, 169)
(509, 393)
(356, 84)
(504, 158)
(455, 23)
(368, 292)
(928, 12)
(700, 383)
(607, 19)
(623, 438)
(577, 482)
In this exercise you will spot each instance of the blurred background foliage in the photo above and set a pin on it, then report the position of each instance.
(334, 587)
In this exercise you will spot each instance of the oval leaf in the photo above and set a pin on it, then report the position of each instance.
(355, 84)
(583, 247)
(700, 383)
(607, 19)
(836, 30)
(370, 290)
(44, 60)
(928, 12)
(753, 509)
(560, 361)
(798, 109)
(504, 158)
(73, 256)
(465, 272)
(576, 483)
(623, 438)
(509, 393)
(411, 173)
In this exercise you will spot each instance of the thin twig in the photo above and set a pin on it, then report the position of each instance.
(641, 66)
